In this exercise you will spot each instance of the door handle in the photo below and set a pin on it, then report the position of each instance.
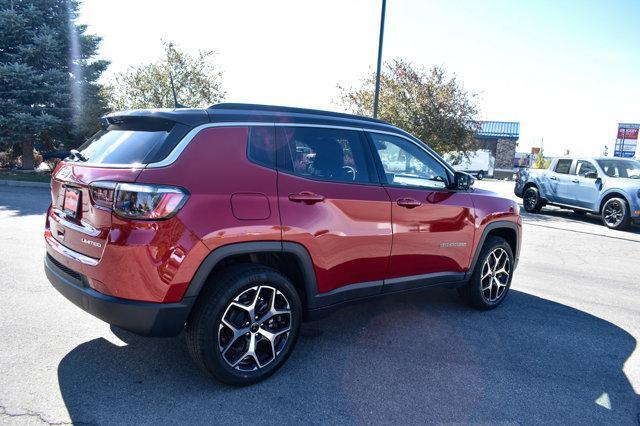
(553, 178)
(409, 203)
(575, 180)
(306, 197)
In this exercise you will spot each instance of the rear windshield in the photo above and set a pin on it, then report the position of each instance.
(123, 146)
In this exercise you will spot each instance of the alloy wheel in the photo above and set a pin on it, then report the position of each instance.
(495, 275)
(254, 328)
(613, 213)
(530, 199)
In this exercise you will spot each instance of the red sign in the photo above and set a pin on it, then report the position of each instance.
(625, 133)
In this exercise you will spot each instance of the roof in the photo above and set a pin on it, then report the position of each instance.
(234, 112)
(280, 114)
(499, 129)
(284, 110)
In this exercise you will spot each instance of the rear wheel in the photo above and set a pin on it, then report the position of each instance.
(246, 324)
(615, 214)
(491, 277)
(531, 200)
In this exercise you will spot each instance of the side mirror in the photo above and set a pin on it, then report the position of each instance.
(591, 175)
(462, 181)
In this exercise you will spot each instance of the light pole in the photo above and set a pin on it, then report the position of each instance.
(377, 94)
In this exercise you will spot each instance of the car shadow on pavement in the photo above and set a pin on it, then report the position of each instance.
(414, 358)
(559, 216)
(23, 201)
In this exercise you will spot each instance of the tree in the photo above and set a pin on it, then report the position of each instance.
(541, 162)
(48, 89)
(429, 104)
(196, 80)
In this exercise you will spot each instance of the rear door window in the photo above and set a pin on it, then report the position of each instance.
(324, 154)
(584, 167)
(563, 166)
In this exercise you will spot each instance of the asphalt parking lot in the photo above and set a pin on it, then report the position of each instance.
(561, 349)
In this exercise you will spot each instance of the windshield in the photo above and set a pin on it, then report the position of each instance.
(621, 168)
(122, 146)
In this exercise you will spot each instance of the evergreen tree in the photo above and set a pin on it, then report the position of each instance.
(48, 89)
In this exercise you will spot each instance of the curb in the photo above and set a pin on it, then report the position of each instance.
(22, 183)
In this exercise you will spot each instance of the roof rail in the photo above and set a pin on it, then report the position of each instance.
(290, 110)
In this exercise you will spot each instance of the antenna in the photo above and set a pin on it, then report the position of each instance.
(173, 90)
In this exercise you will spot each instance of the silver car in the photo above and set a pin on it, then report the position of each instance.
(606, 186)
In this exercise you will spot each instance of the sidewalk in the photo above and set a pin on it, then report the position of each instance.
(24, 183)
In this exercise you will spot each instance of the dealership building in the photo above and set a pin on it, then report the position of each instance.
(501, 138)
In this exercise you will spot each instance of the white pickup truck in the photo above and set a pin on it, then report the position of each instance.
(605, 186)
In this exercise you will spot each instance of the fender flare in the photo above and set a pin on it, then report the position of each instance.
(615, 191)
(498, 224)
(217, 255)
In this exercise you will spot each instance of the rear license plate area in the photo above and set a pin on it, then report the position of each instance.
(71, 201)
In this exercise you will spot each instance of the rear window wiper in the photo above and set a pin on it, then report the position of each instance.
(77, 155)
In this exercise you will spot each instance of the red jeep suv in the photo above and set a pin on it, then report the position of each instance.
(238, 222)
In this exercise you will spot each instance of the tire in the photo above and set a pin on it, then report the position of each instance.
(531, 200)
(213, 344)
(615, 214)
(480, 175)
(485, 289)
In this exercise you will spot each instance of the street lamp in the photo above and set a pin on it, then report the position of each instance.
(377, 94)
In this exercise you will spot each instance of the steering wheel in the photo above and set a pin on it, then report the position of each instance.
(350, 172)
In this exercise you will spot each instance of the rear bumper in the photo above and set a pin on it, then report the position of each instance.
(144, 318)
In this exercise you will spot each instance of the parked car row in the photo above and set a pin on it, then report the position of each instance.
(609, 187)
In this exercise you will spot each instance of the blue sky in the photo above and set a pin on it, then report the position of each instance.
(568, 71)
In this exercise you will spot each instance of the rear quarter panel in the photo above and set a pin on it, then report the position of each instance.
(539, 177)
(214, 169)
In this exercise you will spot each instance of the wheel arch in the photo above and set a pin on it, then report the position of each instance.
(502, 228)
(290, 259)
(614, 193)
(537, 186)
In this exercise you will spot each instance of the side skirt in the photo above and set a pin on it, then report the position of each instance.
(326, 303)
(569, 207)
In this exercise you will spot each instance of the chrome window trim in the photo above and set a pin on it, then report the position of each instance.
(186, 140)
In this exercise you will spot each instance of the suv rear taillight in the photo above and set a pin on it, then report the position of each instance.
(139, 201)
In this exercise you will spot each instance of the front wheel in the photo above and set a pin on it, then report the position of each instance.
(615, 214)
(491, 277)
(246, 324)
(480, 175)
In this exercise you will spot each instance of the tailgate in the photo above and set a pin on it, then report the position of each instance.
(75, 221)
